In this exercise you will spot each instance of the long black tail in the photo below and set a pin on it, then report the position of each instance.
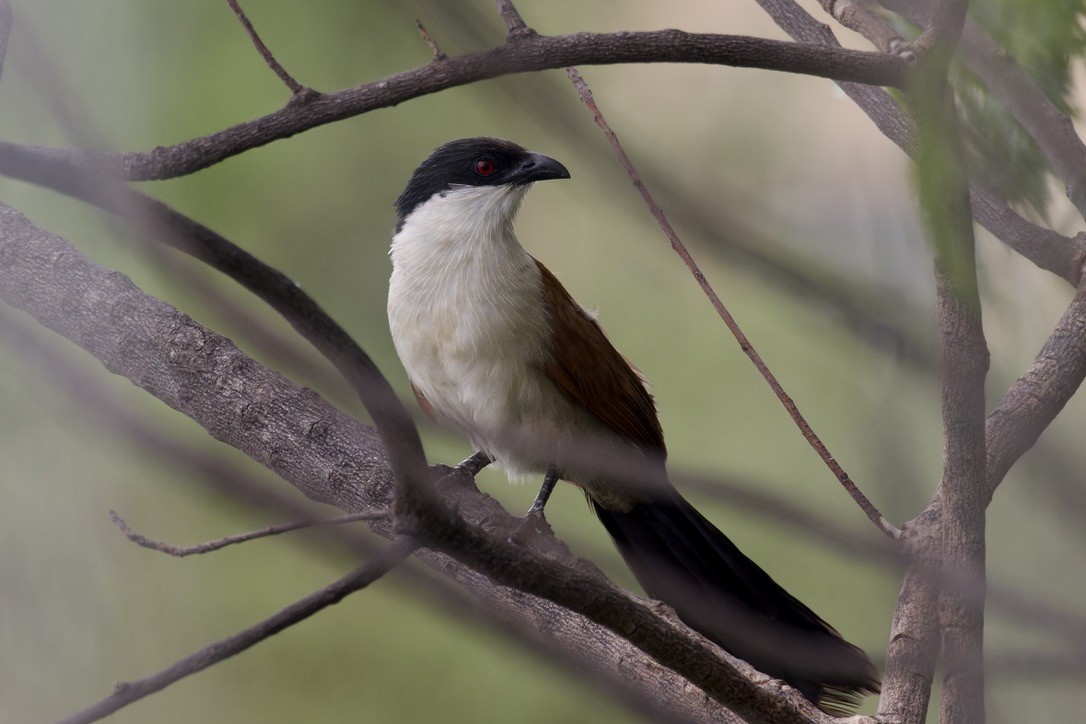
(682, 559)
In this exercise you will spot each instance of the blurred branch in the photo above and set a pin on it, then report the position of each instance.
(334, 459)
(159, 221)
(298, 91)
(913, 647)
(214, 545)
(127, 692)
(7, 19)
(525, 54)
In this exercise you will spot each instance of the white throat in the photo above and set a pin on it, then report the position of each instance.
(466, 312)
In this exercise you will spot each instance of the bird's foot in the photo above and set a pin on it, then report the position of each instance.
(534, 521)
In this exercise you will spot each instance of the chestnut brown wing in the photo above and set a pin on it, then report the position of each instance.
(588, 368)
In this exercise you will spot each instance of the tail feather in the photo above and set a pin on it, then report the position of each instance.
(681, 558)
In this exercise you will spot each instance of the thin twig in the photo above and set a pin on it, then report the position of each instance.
(214, 545)
(125, 693)
(809, 434)
(297, 89)
(430, 42)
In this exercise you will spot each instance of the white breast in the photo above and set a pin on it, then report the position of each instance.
(466, 312)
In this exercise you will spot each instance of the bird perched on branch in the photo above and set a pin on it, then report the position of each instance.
(493, 343)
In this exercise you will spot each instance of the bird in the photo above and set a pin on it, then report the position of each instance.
(493, 344)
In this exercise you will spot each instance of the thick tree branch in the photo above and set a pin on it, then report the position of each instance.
(965, 364)
(158, 221)
(944, 196)
(501, 609)
(334, 459)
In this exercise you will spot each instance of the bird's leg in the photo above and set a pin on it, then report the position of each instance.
(474, 464)
(545, 490)
(534, 518)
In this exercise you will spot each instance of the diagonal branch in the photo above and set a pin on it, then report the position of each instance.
(1038, 396)
(430, 42)
(158, 221)
(809, 434)
(516, 25)
(127, 692)
(647, 690)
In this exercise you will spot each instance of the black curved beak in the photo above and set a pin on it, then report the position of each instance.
(538, 167)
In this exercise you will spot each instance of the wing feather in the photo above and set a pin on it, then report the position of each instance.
(591, 372)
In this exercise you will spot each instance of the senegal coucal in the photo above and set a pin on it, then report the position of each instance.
(493, 343)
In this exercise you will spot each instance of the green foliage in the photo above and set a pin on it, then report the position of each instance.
(1043, 36)
(997, 148)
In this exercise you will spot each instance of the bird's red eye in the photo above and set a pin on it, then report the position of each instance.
(485, 167)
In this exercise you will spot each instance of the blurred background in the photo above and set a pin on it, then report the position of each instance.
(799, 211)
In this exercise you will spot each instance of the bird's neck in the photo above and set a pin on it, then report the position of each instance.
(462, 239)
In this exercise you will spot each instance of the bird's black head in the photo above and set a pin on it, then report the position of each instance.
(475, 162)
